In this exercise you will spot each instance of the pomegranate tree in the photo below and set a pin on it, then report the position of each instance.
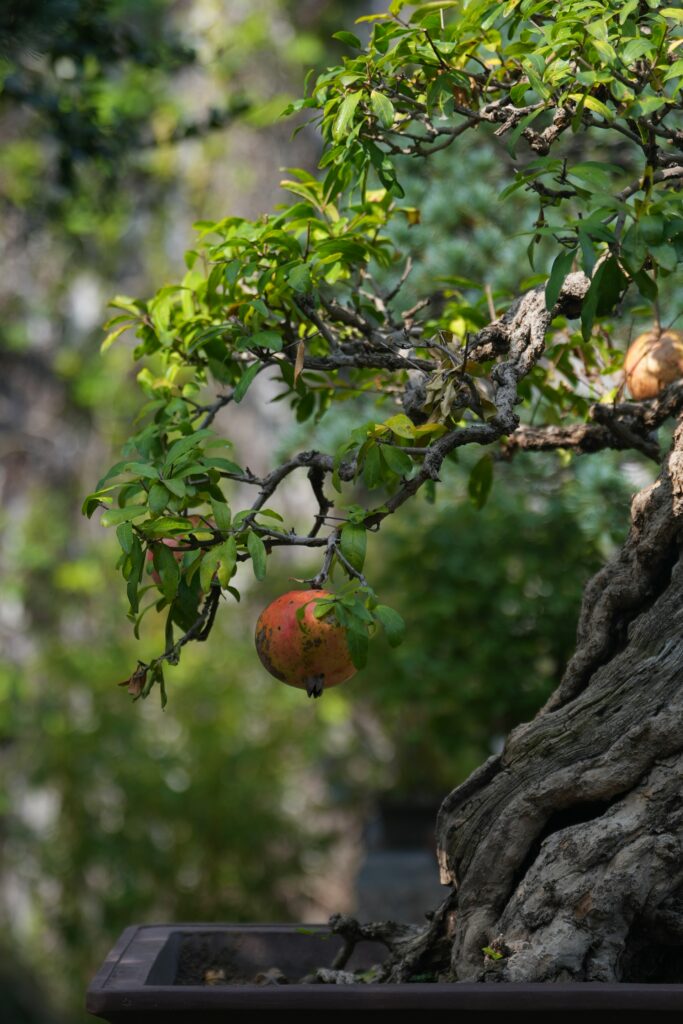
(563, 850)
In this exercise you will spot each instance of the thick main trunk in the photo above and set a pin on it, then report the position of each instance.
(566, 851)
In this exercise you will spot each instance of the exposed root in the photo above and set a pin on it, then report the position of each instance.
(413, 950)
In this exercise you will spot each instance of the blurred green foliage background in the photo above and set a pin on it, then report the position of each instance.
(121, 124)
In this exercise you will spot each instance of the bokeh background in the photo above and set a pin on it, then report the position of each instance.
(121, 124)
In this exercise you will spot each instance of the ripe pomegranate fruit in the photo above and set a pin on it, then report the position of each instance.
(654, 360)
(313, 654)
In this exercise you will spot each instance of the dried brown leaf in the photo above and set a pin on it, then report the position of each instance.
(299, 361)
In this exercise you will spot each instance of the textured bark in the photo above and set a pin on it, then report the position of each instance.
(566, 851)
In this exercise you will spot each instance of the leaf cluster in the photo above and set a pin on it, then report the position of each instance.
(296, 292)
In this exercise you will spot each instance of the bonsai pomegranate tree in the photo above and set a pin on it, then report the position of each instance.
(563, 851)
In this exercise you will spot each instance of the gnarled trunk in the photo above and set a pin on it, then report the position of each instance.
(566, 850)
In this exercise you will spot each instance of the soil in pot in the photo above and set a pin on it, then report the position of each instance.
(246, 959)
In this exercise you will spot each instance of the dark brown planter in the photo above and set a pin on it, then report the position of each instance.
(142, 979)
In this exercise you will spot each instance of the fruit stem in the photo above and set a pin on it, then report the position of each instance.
(657, 317)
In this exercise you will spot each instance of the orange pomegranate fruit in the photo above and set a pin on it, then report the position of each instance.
(312, 654)
(654, 360)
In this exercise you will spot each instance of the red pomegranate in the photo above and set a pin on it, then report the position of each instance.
(312, 654)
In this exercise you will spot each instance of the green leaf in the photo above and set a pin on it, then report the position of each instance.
(265, 339)
(114, 516)
(299, 279)
(675, 71)
(353, 544)
(627, 9)
(593, 104)
(605, 49)
(349, 39)
(112, 336)
(166, 565)
(116, 470)
(358, 647)
(612, 285)
(162, 686)
(481, 481)
(372, 468)
(666, 256)
(492, 954)
(398, 461)
(270, 513)
(137, 562)
(560, 269)
(176, 486)
(224, 464)
(401, 425)
(382, 108)
(423, 10)
(185, 444)
(257, 550)
(394, 626)
(590, 303)
(158, 498)
(226, 554)
(94, 501)
(646, 105)
(385, 169)
(139, 468)
(221, 513)
(646, 286)
(166, 525)
(345, 115)
(587, 251)
(124, 532)
(635, 48)
(245, 380)
(322, 607)
(130, 305)
(652, 228)
(142, 469)
(306, 407)
(594, 173)
(207, 568)
(359, 615)
(239, 517)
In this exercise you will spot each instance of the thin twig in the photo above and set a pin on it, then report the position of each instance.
(212, 410)
(489, 299)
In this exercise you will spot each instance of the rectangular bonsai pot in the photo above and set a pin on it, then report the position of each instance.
(154, 973)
